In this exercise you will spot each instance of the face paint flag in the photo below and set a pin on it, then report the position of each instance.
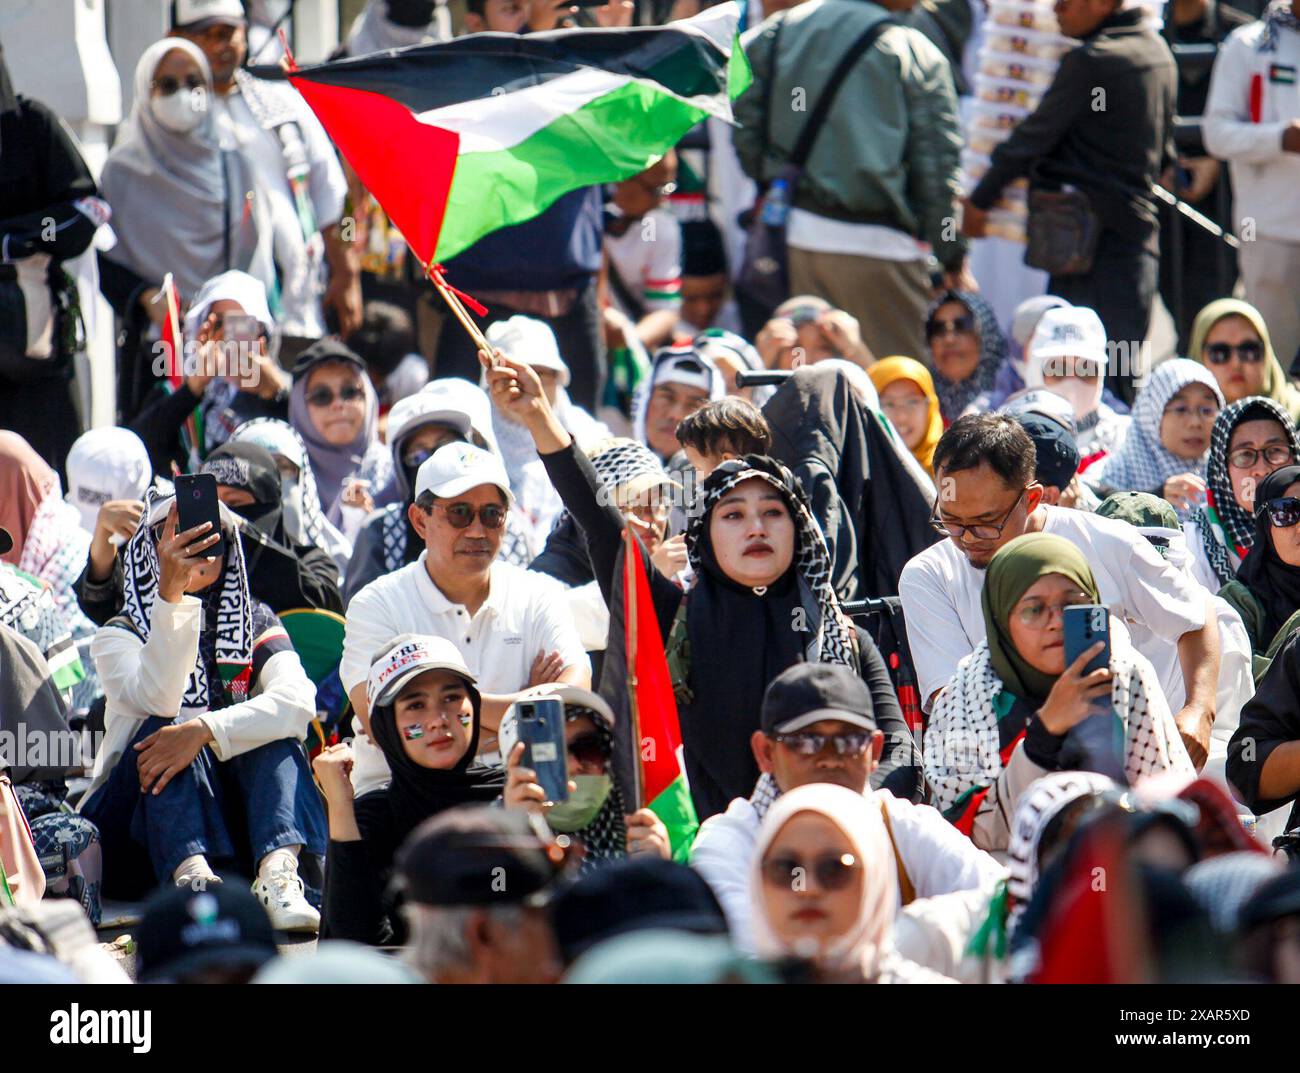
(456, 140)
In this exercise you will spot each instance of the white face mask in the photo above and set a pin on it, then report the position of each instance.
(291, 509)
(1083, 395)
(181, 112)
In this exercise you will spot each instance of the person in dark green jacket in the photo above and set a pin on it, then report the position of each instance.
(1266, 592)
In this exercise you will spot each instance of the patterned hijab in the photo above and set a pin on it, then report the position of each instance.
(1275, 584)
(1277, 17)
(1011, 572)
(890, 370)
(956, 396)
(225, 651)
(1227, 529)
(279, 438)
(1277, 386)
(1143, 463)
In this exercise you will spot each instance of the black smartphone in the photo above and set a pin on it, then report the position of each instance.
(196, 503)
(1097, 743)
(541, 729)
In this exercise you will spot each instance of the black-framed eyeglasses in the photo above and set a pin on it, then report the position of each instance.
(324, 396)
(962, 325)
(1283, 513)
(983, 531)
(833, 871)
(1275, 454)
(1250, 352)
(850, 743)
(462, 515)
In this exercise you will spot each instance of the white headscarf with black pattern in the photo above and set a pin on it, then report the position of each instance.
(234, 631)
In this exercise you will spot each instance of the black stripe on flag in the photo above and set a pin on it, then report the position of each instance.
(480, 65)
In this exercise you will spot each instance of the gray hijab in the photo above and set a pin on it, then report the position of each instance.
(180, 203)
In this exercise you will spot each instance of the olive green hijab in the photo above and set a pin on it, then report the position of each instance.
(1276, 384)
(1011, 572)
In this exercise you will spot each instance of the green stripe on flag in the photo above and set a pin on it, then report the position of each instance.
(673, 806)
(608, 139)
(739, 75)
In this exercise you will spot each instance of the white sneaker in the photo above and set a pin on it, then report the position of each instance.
(195, 872)
(280, 890)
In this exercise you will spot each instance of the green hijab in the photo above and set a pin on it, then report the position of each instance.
(1011, 572)
(1277, 386)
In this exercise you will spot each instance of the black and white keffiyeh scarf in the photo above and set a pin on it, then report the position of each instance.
(1227, 530)
(227, 649)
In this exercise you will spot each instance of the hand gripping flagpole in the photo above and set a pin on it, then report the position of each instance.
(630, 627)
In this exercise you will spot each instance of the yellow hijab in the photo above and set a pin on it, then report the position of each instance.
(885, 372)
(1276, 384)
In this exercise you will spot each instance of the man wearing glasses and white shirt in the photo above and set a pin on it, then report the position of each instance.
(984, 470)
(512, 626)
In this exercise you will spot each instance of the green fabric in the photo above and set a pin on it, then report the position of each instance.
(1239, 596)
(1011, 572)
(1142, 510)
(317, 637)
(674, 807)
(1276, 385)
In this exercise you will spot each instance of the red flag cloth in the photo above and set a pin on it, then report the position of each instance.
(651, 688)
(407, 165)
(172, 339)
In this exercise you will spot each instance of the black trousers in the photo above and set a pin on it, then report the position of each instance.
(579, 335)
(1121, 287)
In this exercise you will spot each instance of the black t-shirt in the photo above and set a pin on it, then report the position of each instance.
(1213, 25)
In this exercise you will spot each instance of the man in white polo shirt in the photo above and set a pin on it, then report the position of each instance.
(512, 626)
(984, 469)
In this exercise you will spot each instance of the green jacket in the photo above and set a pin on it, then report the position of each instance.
(889, 152)
(1247, 605)
(948, 24)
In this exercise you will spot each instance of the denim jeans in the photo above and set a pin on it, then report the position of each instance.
(234, 812)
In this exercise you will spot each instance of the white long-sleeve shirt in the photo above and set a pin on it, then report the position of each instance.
(147, 678)
(1264, 177)
(939, 859)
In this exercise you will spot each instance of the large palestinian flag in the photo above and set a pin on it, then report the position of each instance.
(458, 139)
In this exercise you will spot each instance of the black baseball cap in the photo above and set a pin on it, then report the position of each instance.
(326, 350)
(185, 931)
(635, 894)
(1058, 454)
(479, 855)
(809, 692)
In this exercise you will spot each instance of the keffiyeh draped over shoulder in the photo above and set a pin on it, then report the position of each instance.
(1227, 530)
(222, 672)
(962, 747)
(956, 396)
(1143, 463)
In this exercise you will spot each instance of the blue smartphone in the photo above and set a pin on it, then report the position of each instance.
(1097, 743)
(541, 729)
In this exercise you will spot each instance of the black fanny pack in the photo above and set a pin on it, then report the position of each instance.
(1062, 231)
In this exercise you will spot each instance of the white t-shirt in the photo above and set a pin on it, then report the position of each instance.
(820, 234)
(525, 612)
(1159, 603)
(648, 259)
(298, 259)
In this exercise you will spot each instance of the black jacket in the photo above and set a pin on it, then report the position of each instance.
(1105, 125)
(1269, 719)
(285, 579)
(872, 510)
(357, 905)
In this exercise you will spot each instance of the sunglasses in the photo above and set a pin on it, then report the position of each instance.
(590, 750)
(962, 324)
(832, 871)
(461, 515)
(853, 743)
(1221, 353)
(167, 85)
(1275, 454)
(1283, 513)
(323, 396)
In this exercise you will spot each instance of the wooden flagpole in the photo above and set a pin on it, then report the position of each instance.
(453, 300)
(630, 630)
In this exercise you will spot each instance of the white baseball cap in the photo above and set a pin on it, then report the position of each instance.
(106, 464)
(193, 14)
(456, 468)
(529, 341)
(572, 696)
(1069, 332)
(407, 656)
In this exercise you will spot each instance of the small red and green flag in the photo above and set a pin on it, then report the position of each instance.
(459, 139)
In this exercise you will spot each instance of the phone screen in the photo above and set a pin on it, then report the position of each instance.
(240, 328)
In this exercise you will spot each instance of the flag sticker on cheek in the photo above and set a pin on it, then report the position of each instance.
(413, 733)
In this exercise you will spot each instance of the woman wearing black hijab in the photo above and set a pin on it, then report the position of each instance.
(1267, 591)
(283, 575)
(761, 601)
(424, 716)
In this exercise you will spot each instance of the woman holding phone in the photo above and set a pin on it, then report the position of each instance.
(1002, 720)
